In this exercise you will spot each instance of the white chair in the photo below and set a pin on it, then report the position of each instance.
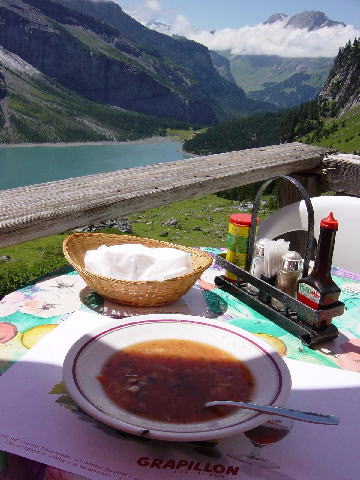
(345, 209)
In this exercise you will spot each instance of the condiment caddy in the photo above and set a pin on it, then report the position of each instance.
(308, 321)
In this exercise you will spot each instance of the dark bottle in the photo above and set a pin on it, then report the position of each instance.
(318, 290)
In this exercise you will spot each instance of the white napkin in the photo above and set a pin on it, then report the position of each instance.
(136, 262)
(273, 252)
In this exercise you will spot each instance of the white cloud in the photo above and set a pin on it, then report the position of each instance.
(275, 39)
(181, 26)
(153, 5)
(144, 11)
(261, 39)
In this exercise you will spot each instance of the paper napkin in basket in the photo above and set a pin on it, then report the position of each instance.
(136, 262)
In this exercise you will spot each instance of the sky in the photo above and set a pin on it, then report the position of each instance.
(238, 24)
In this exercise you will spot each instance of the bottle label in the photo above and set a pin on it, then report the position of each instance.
(237, 243)
(238, 259)
(309, 296)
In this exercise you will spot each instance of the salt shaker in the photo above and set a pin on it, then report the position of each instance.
(288, 276)
(257, 264)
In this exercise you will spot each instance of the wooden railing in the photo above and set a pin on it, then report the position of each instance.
(39, 210)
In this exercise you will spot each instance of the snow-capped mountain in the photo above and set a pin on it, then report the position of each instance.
(309, 20)
(160, 27)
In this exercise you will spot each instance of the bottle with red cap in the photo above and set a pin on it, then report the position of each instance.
(318, 290)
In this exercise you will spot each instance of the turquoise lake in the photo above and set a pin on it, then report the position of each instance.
(21, 166)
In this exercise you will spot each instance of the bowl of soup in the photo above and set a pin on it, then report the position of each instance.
(151, 375)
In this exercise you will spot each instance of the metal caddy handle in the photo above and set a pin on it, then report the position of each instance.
(302, 321)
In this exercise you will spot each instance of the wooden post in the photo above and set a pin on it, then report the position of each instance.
(312, 180)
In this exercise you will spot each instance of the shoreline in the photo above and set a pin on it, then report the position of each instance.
(140, 141)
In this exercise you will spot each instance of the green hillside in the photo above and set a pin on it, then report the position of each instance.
(289, 93)
(249, 132)
(311, 122)
(342, 133)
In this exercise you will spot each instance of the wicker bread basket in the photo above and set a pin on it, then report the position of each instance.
(148, 293)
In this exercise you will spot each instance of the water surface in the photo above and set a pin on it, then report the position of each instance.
(21, 166)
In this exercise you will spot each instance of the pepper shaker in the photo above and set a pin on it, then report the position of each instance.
(288, 276)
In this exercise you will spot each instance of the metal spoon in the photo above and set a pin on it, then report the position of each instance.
(280, 411)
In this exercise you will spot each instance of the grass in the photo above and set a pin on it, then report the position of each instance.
(346, 138)
(179, 135)
(29, 261)
(191, 222)
(30, 253)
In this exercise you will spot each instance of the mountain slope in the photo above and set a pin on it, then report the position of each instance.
(237, 134)
(289, 93)
(256, 73)
(222, 65)
(37, 109)
(341, 133)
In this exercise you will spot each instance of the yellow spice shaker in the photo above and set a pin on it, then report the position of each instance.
(238, 241)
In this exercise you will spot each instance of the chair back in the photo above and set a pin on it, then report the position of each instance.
(345, 209)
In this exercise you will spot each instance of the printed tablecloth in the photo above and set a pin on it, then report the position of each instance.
(29, 314)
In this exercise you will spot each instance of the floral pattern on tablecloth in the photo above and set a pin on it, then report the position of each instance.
(33, 311)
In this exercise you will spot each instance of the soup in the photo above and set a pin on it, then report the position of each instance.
(171, 380)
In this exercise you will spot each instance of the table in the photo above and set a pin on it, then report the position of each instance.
(31, 313)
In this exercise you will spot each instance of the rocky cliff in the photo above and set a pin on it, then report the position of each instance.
(222, 65)
(342, 89)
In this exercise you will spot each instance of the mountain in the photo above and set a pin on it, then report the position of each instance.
(182, 65)
(37, 109)
(160, 27)
(258, 74)
(276, 17)
(338, 105)
(222, 66)
(104, 70)
(311, 20)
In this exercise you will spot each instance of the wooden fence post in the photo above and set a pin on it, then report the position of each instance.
(313, 181)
